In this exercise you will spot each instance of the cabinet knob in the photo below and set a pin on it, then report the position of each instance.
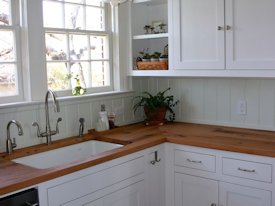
(219, 28)
(228, 27)
(213, 204)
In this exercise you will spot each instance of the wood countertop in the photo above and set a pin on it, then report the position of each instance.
(135, 137)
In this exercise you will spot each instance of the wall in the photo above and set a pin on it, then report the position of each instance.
(215, 100)
(70, 111)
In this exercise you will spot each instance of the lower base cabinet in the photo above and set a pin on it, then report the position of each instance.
(197, 191)
(236, 195)
(167, 175)
(131, 195)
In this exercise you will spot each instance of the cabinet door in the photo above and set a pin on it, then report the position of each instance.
(116, 195)
(198, 34)
(250, 36)
(235, 195)
(133, 195)
(195, 191)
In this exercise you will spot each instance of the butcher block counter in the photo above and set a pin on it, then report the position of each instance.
(135, 137)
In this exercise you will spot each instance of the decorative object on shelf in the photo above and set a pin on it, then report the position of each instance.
(161, 28)
(164, 57)
(156, 26)
(156, 106)
(145, 56)
(155, 56)
(160, 65)
(147, 29)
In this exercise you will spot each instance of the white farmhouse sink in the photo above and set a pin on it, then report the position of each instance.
(66, 154)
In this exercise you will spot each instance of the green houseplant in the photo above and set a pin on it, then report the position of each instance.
(156, 107)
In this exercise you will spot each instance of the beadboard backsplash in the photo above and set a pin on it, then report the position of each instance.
(215, 100)
(70, 111)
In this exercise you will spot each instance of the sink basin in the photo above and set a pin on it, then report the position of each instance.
(66, 154)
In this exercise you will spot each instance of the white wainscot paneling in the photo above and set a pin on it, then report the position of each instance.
(70, 112)
(215, 100)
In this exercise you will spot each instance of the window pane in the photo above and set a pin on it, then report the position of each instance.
(56, 46)
(100, 73)
(6, 46)
(58, 76)
(78, 47)
(95, 18)
(53, 14)
(74, 16)
(5, 12)
(99, 49)
(8, 81)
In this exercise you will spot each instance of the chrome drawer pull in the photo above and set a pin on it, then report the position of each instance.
(194, 161)
(245, 170)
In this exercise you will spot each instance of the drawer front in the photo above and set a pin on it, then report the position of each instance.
(248, 170)
(195, 160)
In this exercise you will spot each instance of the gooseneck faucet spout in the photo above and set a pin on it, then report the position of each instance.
(48, 133)
(12, 144)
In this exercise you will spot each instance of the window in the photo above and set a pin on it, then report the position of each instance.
(77, 37)
(10, 89)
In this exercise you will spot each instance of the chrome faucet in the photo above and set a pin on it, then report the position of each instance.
(12, 144)
(48, 133)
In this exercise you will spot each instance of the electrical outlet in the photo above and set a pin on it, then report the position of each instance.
(242, 107)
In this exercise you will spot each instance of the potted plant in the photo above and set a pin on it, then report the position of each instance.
(155, 56)
(156, 106)
(145, 56)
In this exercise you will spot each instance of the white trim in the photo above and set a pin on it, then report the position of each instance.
(26, 106)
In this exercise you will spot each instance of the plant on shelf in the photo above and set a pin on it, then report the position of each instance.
(145, 56)
(161, 28)
(155, 56)
(147, 29)
(156, 106)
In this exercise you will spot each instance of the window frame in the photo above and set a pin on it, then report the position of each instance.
(15, 27)
(108, 33)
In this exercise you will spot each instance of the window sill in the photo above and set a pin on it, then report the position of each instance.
(21, 106)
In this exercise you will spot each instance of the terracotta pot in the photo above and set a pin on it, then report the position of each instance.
(155, 117)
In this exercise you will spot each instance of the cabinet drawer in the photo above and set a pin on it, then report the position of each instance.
(248, 170)
(195, 160)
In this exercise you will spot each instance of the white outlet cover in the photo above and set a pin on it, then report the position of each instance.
(242, 107)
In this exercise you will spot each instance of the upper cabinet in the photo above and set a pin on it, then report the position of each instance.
(198, 36)
(217, 34)
(149, 35)
(250, 34)
(217, 38)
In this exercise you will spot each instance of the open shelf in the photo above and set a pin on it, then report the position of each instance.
(151, 36)
(149, 2)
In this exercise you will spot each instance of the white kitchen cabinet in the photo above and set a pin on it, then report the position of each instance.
(231, 34)
(147, 12)
(195, 191)
(250, 36)
(236, 195)
(197, 42)
(117, 195)
(212, 177)
(120, 181)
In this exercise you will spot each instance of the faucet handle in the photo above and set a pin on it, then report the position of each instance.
(57, 128)
(13, 143)
(35, 124)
